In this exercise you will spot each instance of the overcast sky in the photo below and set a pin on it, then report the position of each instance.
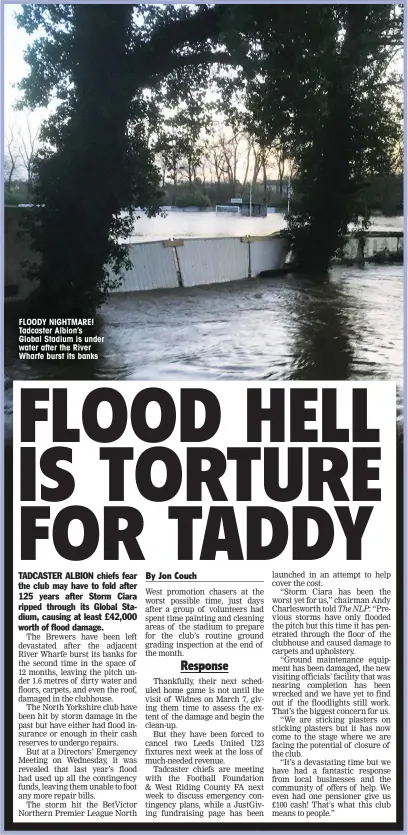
(15, 68)
(16, 40)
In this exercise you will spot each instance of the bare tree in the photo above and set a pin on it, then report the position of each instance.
(396, 108)
(225, 152)
(11, 155)
(247, 162)
(265, 157)
(257, 155)
(214, 154)
(261, 156)
(28, 141)
(216, 160)
(169, 151)
(281, 155)
(232, 151)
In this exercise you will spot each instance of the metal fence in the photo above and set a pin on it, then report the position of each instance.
(194, 261)
(212, 260)
(188, 262)
(153, 268)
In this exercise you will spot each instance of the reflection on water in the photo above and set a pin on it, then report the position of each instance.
(203, 224)
(350, 327)
(211, 225)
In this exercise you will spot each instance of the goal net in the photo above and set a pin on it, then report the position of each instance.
(228, 209)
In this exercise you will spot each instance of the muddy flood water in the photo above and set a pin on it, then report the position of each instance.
(289, 328)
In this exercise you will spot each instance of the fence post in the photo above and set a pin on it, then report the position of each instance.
(174, 243)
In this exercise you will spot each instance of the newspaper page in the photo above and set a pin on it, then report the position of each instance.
(203, 417)
(205, 604)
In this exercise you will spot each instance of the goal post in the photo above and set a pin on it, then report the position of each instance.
(228, 209)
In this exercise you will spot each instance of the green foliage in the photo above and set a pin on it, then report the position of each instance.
(318, 83)
(387, 256)
(192, 197)
(355, 139)
(95, 167)
(383, 195)
(17, 192)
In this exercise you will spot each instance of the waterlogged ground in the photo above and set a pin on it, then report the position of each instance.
(185, 224)
(350, 327)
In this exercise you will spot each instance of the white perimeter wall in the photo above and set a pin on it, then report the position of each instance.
(200, 261)
(212, 260)
(153, 268)
(267, 255)
(372, 245)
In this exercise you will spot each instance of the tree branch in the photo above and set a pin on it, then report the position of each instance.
(158, 56)
(203, 25)
(172, 62)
